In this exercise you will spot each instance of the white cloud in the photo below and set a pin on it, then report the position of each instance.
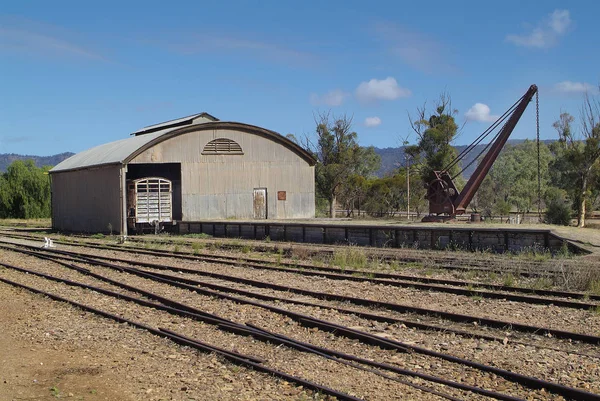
(332, 98)
(546, 33)
(385, 89)
(574, 87)
(560, 20)
(372, 121)
(480, 112)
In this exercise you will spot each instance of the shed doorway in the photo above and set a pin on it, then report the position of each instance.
(159, 175)
(260, 203)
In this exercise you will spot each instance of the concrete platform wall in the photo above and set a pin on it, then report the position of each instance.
(497, 240)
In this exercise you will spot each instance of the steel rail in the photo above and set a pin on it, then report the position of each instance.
(382, 253)
(198, 345)
(391, 279)
(256, 332)
(266, 336)
(367, 274)
(424, 284)
(493, 323)
(236, 328)
(438, 285)
(364, 315)
(456, 317)
(405, 260)
(512, 376)
(527, 381)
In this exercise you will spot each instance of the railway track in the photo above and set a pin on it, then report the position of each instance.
(417, 323)
(453, 317)
(470, 264)
(458, 287)
(264, 335)
(231, 356)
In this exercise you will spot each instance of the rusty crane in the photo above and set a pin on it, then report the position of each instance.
(445, 200)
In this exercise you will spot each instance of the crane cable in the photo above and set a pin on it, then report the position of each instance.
(508, 113)
(481, 137)
(537, 116)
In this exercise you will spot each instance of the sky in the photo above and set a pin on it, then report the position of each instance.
(76, 74)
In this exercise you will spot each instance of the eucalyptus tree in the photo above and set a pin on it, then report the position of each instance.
(339, 157)
(578, 155)
(435, 133)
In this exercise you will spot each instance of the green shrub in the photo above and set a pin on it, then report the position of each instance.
(559, 213)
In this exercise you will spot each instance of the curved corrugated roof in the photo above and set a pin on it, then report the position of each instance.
(110, 153)
(122, 151)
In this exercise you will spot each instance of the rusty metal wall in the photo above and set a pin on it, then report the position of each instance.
(87, 200)
(222, 186)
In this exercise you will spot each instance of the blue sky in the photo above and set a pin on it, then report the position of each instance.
(77, 74)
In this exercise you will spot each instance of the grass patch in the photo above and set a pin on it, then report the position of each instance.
(594, 287)
(535, 253)
(394, 265)
(196, 246)
(508, 280)
(350, 257)
(197, 235)
(542, 283)
(471, 275)
(215, 246)
(490, 277)
(413, 265)
(47, 222)
(54, 391)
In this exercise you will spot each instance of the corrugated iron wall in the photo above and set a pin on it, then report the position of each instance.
(221, 186)
(87, 200)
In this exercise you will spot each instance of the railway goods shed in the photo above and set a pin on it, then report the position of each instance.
(185, 170)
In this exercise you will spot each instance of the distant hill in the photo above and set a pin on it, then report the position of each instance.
(7, 158)
(392, 158)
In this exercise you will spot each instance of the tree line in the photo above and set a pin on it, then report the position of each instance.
(568, 178)
(25, 191)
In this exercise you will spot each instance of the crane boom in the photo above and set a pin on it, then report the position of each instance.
(442, 193)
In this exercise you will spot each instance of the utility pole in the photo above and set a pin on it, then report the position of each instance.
(407, 163)
(407, 187)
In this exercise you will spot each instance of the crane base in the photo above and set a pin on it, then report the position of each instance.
(432, 218)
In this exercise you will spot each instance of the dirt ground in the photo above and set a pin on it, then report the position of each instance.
(29, 370)
(50, 350)
(44, 357)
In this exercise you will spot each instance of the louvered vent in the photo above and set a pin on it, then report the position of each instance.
(222, 146)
